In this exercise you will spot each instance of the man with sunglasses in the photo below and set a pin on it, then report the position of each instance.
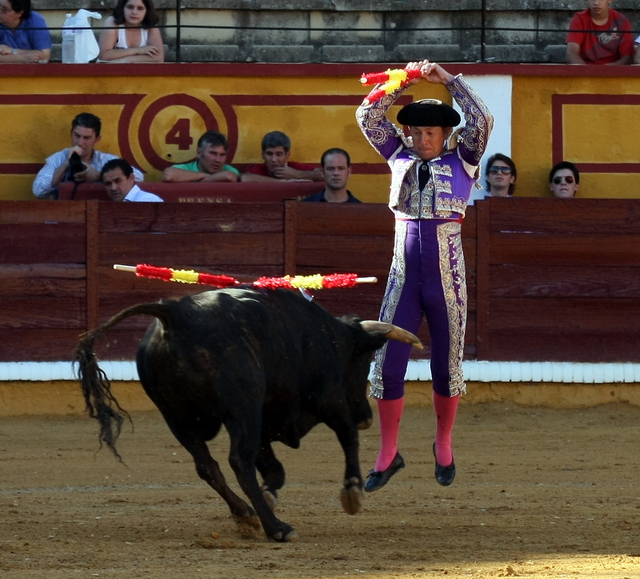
(433, 171)
(564, 180)
(501, 176)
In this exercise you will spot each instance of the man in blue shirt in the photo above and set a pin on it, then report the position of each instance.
(336, 169)
(24, 36)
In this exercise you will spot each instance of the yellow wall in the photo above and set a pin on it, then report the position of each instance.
(311, 110)
(600, 131)
(315, 109)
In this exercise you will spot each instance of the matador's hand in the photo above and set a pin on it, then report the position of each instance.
(434, 73)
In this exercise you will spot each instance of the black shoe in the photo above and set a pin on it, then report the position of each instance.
(377, 479)
(444, 474)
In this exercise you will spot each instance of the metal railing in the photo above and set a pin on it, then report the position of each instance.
(540, 37)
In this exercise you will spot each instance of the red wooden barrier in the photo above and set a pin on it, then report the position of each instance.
(201, 192)
(548, 279)
(559, 280)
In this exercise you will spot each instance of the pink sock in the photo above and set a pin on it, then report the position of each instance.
(389, 414)
(445, 408)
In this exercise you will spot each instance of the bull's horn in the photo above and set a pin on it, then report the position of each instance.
(393, 332)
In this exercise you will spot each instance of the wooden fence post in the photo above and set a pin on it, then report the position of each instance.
(93, 248)
(482, 279)
(290, 236)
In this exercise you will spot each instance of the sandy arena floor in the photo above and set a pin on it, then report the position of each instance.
(539, 493)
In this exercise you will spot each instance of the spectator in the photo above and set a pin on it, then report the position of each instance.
(276, 147)
(336, 169)
(564, 180)
(636, 57)
(210, 163)
(501, 176)
(118, 179)
(131, 34)
(85, 135)
(24, 36)
(599, 35)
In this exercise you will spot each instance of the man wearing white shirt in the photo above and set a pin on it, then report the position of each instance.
(85, 135)
(119, 181)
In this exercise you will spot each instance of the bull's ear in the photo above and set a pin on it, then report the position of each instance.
(392, 332)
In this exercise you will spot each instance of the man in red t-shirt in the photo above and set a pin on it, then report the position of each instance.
(277, 167)
(599, 35)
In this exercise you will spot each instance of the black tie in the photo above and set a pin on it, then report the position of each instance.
(423, 175)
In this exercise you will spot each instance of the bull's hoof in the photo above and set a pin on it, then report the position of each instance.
(351, 496)
(286, 535)
(271, 499)
(365, 424)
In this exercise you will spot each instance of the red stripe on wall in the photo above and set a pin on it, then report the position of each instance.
(558, 101)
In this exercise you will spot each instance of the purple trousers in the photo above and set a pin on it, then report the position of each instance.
(427, 278)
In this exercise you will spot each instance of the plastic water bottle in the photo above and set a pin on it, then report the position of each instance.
(68, 40)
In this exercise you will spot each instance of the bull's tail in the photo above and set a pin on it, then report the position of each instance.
(100, 401)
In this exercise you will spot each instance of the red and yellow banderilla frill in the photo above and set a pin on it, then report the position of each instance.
(317, 281)
(390, 80)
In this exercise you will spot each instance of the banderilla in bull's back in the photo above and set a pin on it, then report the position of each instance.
(317, 281)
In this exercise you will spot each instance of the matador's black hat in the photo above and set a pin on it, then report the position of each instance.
(428, 113)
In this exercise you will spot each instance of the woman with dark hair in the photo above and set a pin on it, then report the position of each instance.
(131, 34)
(501, 176)
(24, 36)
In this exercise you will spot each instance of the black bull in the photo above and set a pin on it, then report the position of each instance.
(268, 365)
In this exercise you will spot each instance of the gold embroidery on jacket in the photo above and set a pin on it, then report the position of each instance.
(442, 170)
(441, 185)
(393, 291)
(454, 287)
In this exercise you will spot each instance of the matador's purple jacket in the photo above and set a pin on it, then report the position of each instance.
(447, 193)
(427, 275)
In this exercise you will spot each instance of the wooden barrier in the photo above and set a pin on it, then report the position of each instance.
(201, 192)
(558, 280)
(548, 279)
